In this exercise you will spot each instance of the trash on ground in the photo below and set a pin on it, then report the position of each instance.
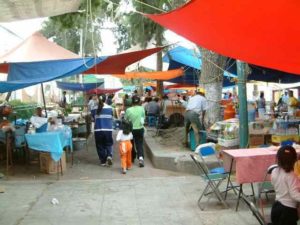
(54, 201)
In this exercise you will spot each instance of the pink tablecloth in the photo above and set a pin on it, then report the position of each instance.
(250, 164)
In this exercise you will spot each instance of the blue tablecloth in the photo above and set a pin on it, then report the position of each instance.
(53, 142)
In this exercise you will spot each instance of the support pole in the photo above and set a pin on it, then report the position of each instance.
(43, 95)
(243, 111)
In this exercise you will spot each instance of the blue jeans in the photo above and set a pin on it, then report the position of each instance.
(104, 143)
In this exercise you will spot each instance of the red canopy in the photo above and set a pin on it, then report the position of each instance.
(116, 64)
(99, 91)
(264, 33)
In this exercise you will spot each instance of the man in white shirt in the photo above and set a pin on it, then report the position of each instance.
(196, 108)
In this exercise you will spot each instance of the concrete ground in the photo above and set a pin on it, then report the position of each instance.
(90, 194)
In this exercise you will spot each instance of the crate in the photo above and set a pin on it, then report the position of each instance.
(256, 140)
(277, 139)
(47, 165)
(228, 143)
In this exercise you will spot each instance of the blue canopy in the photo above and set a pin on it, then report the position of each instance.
(77, 86)
(23, 75)
(259, 73)
(190, 60)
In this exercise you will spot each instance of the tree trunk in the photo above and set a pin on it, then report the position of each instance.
(211, 79)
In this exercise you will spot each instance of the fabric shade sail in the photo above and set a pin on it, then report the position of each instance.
(259, 73)
(38, 60)
(160, 75)
(264, 33)
(116, 64)
(99, 91)
(181, 57)
(77, 86)
(23, 75)
(33, 49)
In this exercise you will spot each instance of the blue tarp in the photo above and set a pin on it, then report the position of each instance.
(78, 86)
(190, 60)
(23, 75)
(259, 73)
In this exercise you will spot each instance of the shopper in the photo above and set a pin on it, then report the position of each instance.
(261, 105)
(136, 114)
(103, 132)
(124, 138)
(287, 187)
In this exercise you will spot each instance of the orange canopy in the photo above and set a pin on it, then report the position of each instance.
(160, 75)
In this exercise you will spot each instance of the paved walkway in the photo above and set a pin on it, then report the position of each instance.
(89, 194)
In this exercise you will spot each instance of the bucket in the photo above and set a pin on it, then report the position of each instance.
(202, 135)
(229, 112)
(79, 144)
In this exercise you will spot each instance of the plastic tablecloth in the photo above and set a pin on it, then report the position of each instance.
(53, 142)
(250, 164)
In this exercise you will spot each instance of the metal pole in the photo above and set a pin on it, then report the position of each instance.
(43, 95)
(243, 112)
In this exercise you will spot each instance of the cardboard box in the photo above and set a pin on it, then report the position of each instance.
(47, 165)
(256, 140)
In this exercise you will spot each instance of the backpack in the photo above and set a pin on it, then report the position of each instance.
(126, 126)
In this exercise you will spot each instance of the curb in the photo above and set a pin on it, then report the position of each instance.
(178, 161)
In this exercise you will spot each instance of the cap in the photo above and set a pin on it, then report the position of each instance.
(200, 90)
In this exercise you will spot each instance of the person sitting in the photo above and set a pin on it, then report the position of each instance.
(39, 112)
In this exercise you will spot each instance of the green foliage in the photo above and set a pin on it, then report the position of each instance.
(137, 29)
(65, 30)
(23, 110)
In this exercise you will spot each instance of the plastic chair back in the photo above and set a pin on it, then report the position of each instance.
(207, 151)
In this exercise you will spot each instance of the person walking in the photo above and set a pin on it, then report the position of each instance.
(196, 108)
(136, 115)
(103, 132)
(124, 138)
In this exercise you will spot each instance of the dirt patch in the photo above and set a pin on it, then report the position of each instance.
(172, 137)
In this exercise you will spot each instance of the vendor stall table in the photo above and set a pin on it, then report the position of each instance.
(250, 164)
(52, 142)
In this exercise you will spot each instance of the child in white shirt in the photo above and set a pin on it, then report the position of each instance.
(287, 188)
(124, 138)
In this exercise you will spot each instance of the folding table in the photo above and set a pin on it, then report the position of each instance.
(250, 165)
(53, 142)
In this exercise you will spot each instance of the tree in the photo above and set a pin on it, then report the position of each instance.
(67, 30)
(145, 31)
(211, 79)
